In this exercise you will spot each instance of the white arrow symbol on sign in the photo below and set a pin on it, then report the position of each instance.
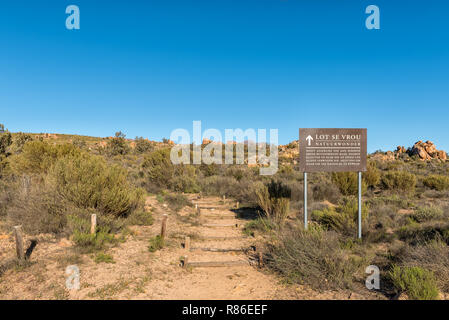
(309, 139)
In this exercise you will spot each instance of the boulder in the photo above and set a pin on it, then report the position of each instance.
(427, 151)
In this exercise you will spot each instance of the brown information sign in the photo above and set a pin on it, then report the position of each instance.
(332, 150)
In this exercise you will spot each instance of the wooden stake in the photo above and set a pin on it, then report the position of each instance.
(164, 226)
(30, 249)
(185, 262)
(19, 242)
(224, 198)
(237, 205)
(260, 259)
(93, 223)
(187, 244)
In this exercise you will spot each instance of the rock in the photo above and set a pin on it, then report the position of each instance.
(64, 243)
(427, 151)
(206, 141)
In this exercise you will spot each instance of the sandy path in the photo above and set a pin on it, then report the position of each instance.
(139, 274)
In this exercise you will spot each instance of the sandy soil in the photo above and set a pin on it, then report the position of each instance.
(139, 274)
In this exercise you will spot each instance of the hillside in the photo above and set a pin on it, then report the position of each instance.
(226, 224)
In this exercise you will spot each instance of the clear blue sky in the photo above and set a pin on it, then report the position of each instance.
(148, 67)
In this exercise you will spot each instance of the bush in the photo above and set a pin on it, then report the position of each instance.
(427, 214)
(418, 283)
(88, 242)
(140, 218)
(184, 179)
(37, 209)
(159, 168)
(433, 256)
(437, 182)
(102, 257)
(274, 201)
(79, 142)
(399, 180)
(343, 218)
(416, 233)
(348, 183)
(38, 156)
(259, 225)
(88, 182)
(372, 175)
(156, 243)
(5, 140)
(143, 145)
(243, 191)
(311, 257)
(20, 140)
(177, 201)
(117, 145)
(325, 191)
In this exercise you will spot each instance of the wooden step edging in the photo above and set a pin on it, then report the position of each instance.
(201, 264)
(218, 249)
(213, 225)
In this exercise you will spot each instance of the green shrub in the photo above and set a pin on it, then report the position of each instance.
(102, 257)
(177, 201)
(243, 190)
(347, 182)
(433, 256)
(140, 218)
(262, 225)
(274, 199)
(324, 190)
(372, 175)
(416, 233)
(37, 208)
(88, 242)
(342, 218)
(88, 182)
(79, 142)
(143, 145)
(437, 182)
(399, 180)
(418, 283)
(159, 168)
(5, 140)
(117, 145)
(38, 156)
(423, 214)
(184, 179)
(156, 243)
(312, 257)
(393, 200)
(20, 140)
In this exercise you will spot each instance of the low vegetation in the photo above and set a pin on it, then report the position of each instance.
(418, 283)
(156, 243)
(54, 185)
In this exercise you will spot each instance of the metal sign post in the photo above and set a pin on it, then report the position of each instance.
(305, 200)
(333, 150)
(360, 206)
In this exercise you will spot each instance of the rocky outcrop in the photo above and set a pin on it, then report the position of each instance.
(426, 151)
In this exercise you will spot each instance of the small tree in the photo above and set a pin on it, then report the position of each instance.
(118, 145)
(5, 140)
(143, 145)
